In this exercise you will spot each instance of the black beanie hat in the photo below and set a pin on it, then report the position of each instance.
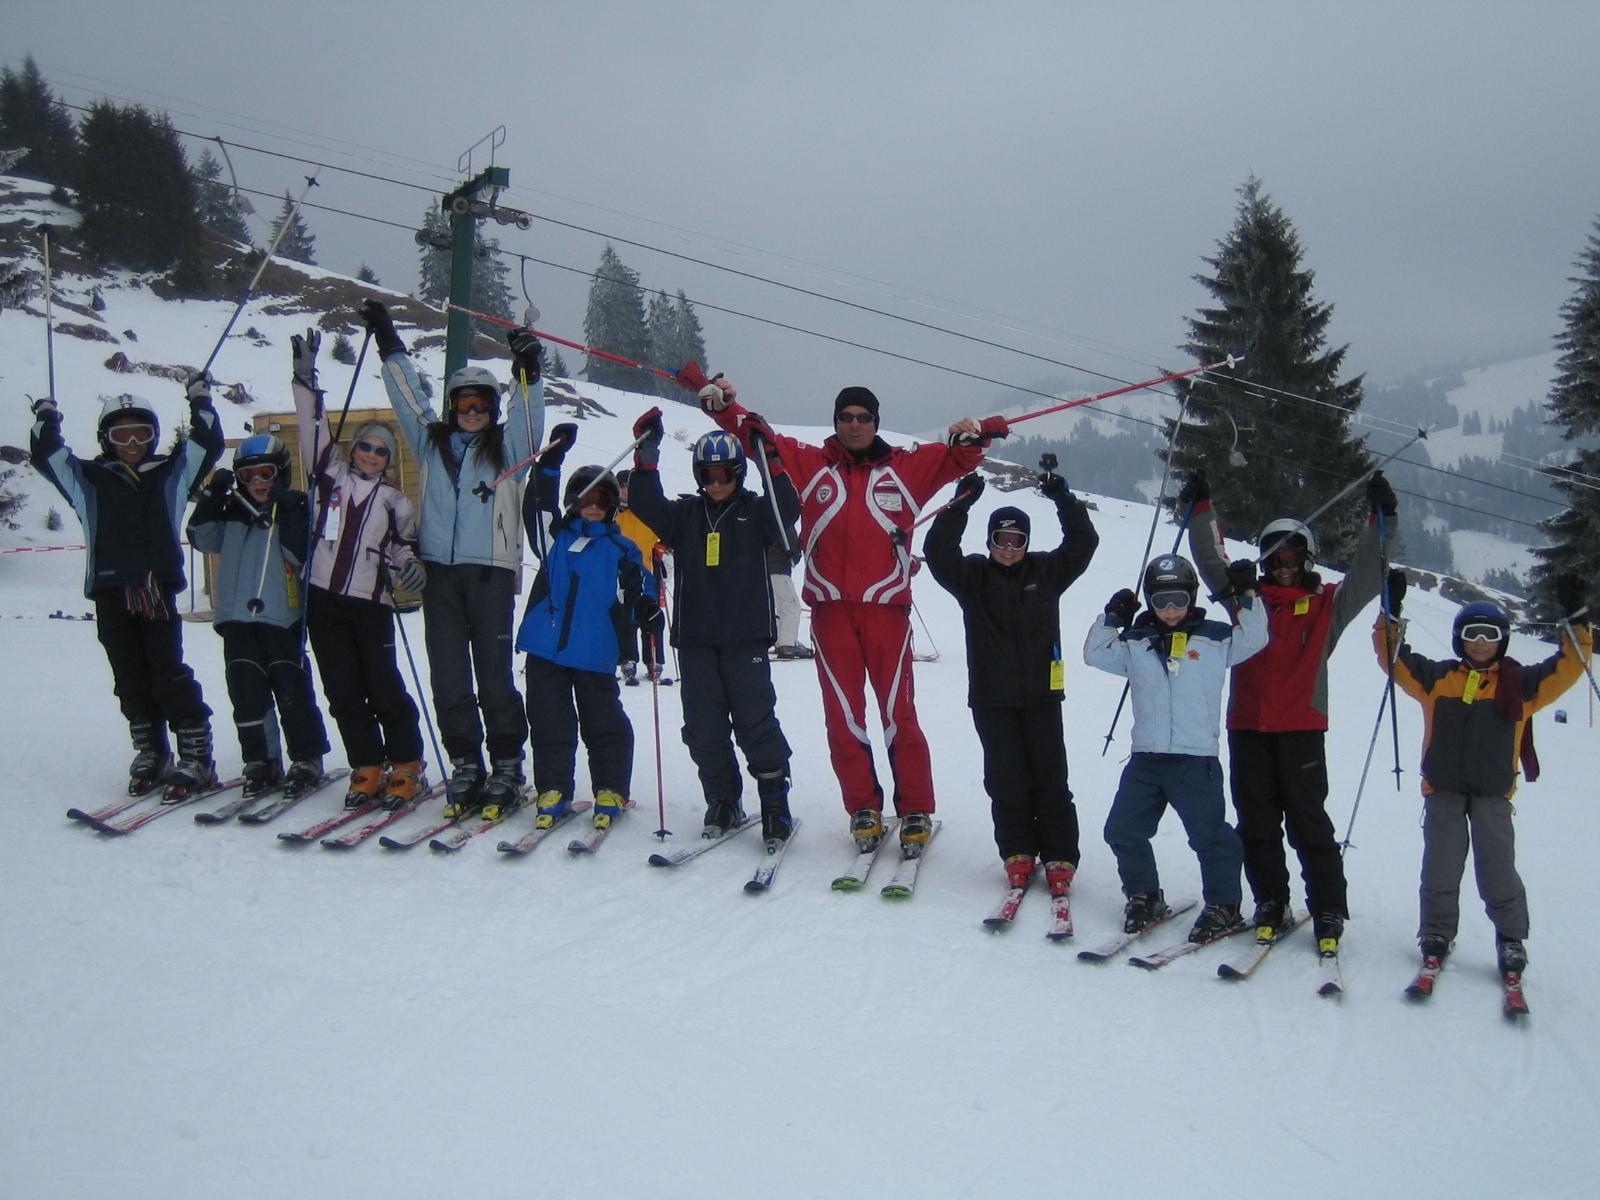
(856, 397)
(1008, 519)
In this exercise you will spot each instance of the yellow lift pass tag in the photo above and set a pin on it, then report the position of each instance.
(1470, 692)
(1058, 675)
(1302, 606)
(713, 549)
(1180, 645)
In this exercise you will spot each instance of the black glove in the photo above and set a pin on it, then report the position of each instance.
(647, 616)
(526, 353)
(1397, 591)
(1242, 577)
(1053, 487)
(967, 492)
(649, 431)
(1123, 608)
(220, 483)
(562, 438)
(45, 409)
(197, 386)
(1571, 596)
(286, 498)
(1195, 489)
(375, 316)
(1381, 496)
(303, 352)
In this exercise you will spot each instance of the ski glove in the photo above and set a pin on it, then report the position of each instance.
(375, 316)
(1381, 496)
(303, 351)
(647, 616)
(755, 427)
(220, 483)
(649, 431)
(526, 353)
(1195, 489)
(1397, 591)
(197, 386)
(967, 492)
(717, 394)
(412, 576)
(1123, 608)
(45, 409)
(562, 439)
(287, 499)
(1570, 596)
(1053, 487)
(1242, 577)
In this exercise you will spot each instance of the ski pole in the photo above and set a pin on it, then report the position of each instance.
(1391, 652)
(422, 703)
(283, 228)
(550, 337)
(662, 832)
(1372, 743)
(361, 357)
(49, 315)
(933, 645)
(1566, 624)
(256, 604)
(765, 471)
(1230, 362)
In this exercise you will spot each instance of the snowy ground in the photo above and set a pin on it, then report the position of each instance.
(195, 1012)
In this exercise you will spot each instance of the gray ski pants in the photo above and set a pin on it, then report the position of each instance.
(1451, 822)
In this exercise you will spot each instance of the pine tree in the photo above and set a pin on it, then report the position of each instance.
(491, 291)
(661, 331)
(1574, 403)
(433, 272)
(691, 338)
(367, 275)
(216, 201)
(31, 117)
(137, 194)
(299, 244)
(1296, 454)
(614, 321)
(555, 367)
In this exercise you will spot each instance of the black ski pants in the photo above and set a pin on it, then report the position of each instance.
(1025, 774)
(466, 615)
(1280, 785)
(728, 689)
(265, 668)
(367, 697)
(568, 700)
(149, 676)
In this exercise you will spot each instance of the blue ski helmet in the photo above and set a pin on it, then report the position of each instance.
(1481, 612)
(719, 449)
(261, 448)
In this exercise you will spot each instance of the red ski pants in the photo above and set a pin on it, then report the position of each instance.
(856, 643)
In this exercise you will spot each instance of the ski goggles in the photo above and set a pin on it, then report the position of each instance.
(1482, 632)
(708, 475)
(597, 497)
(131, 435)
(473, 406)
(1169, 600)
(259, 473)
(1288, 556)
(1009, 539)
(377, 448)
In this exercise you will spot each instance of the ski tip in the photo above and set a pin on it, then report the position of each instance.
(1330, 989)
(754, 887)
(656, 860)
(1227, 971)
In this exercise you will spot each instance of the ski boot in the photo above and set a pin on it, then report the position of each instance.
(1215, 921)
(866, 826)
(1511, 954)
(502, 794)
(1019, 870)
(195, 769)
(466, 784)
(1142, 910)
(1058, 875)
(303, 775)
(721, 816)
(776, 822)
(1435, 949)
(630, 674)
(552, 807)
(405, 782)
(608, 806)
(1328, 928)
(789, 653)
(915, 830)
(1272, 920)
(152, 758)
(261, 777)
(366, 785)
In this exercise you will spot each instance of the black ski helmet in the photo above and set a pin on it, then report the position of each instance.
(125, 405)
(591, 479)
(1171, 573)
(1481, 612)
(719, 449)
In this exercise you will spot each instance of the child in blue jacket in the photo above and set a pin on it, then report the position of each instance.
(589, 571)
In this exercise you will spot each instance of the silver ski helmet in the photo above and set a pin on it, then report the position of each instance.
(474, 379)
(1287, 533)
(125, 405)
(719, 449)
(591, 479)
(261, 449)
(1485, 613)
(1170, 573)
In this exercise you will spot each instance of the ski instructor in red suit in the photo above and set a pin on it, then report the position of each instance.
(859, 498)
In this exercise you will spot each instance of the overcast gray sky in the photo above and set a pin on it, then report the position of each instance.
(1045, 175)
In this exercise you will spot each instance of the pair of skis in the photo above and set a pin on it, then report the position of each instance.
(772, 853)
(1112, 947)
(1003, 917)
(1330, 978)
(1513, 1003)
(128, 813)
(903, 883)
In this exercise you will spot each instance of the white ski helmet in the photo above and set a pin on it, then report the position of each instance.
(1287, 532)
(125, 405)
(476, 378)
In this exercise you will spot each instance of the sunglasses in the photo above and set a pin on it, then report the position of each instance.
(707, 475)
(1169, 600)
(1009, 539)
(1481, 633)
(131, 435)
(857, 418)
(260, 473)
(377, 448)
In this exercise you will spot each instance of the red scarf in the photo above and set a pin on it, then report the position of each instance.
(1508, 702)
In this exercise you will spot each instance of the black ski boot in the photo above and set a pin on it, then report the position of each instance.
(195, 769)
(152, 757)
(502, 794)
(1143, 909)
(721, 816)
(261, 777)
(1328, 928)
(302, 775)
(462, 794)
(1272, 920)
(1215, 921)
(1512, 955)
(776, 822)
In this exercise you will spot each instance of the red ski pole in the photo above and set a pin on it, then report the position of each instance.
(679, 377)
(1228, 362)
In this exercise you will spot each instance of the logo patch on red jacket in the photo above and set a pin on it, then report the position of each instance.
(825, 493)
(886, 495)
